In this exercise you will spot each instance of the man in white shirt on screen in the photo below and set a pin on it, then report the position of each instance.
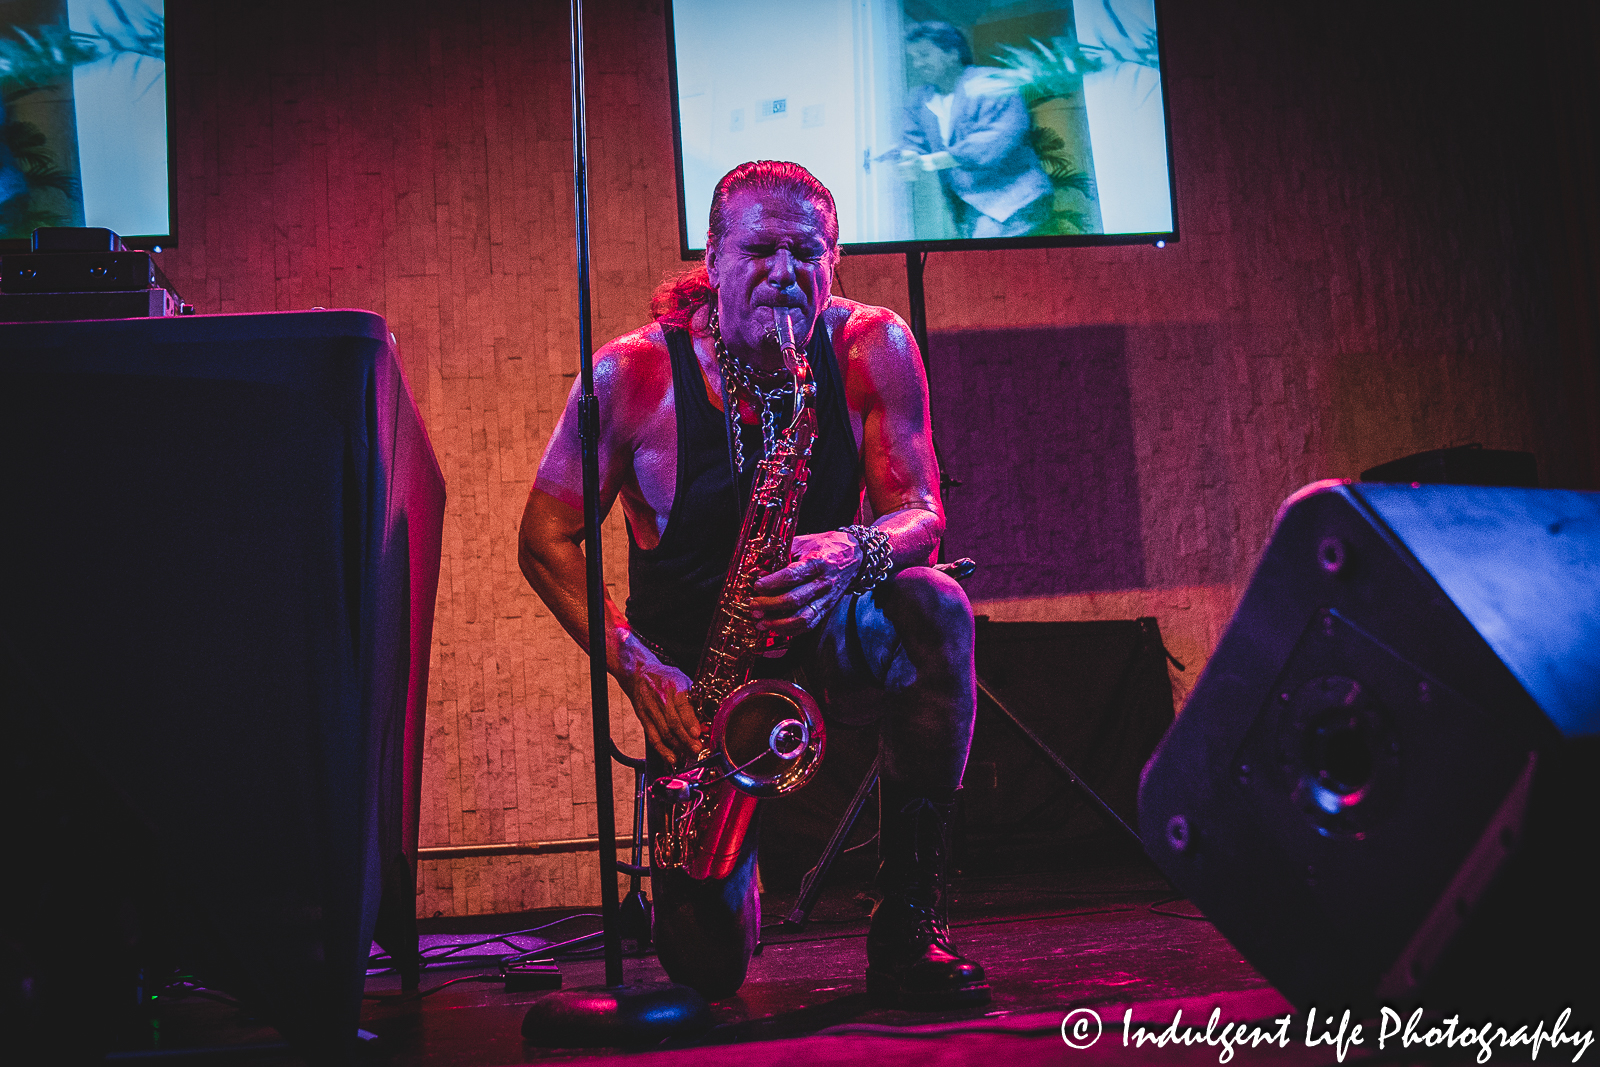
(976, 141)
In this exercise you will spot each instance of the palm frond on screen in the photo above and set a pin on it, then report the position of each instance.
(1041, 72)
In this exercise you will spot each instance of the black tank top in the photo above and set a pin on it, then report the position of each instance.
(673, 588)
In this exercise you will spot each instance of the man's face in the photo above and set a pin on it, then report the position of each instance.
(932, 65)
(774, 254)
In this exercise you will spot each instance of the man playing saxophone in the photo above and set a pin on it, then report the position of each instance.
(688, 408)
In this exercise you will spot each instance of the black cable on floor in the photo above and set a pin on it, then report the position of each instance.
(418, 995)
(1155, 908)
(181, 989)
(449, 952)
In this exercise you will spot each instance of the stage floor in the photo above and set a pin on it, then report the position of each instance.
(1098, 937)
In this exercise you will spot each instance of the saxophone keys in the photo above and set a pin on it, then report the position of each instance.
(673, 790)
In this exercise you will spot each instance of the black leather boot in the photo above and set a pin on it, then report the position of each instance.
(910, 960)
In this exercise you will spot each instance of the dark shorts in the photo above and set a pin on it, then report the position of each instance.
(853, 659)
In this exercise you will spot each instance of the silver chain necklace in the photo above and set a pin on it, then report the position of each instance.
(766, 400)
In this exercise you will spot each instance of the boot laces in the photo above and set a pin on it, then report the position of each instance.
(926, 922)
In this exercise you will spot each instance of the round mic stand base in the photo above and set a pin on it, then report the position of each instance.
(621, 1016)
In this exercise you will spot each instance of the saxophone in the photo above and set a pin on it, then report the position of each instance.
(766, 736)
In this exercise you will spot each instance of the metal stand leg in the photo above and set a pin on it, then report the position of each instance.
(811, 885)
(1061, 764)
(634, 915)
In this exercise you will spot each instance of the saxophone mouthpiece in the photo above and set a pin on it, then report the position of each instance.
(783, 327)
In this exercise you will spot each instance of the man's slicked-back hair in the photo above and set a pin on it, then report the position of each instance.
(676, 300)
(942, 36)
(773, 176)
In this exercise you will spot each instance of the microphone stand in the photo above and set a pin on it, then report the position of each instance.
(616, 1013)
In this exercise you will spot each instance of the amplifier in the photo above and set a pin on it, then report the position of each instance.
(79, 272)
(60, 307)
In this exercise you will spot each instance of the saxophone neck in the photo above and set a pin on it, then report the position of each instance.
(794, 360)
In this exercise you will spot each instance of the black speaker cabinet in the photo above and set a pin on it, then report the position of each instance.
(1461, 465)
(1380, 788)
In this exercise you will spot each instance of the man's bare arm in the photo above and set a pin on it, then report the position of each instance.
(902, 472)
(550, 553)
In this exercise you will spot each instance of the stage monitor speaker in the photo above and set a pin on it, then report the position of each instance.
(1380, 788)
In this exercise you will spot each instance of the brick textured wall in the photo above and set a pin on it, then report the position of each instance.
(1360, 277)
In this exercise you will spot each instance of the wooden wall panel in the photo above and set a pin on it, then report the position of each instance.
(1361, 275)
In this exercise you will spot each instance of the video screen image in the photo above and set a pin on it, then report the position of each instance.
(933, 120)
(83, 116)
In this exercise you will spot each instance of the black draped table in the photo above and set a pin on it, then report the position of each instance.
(224, 540)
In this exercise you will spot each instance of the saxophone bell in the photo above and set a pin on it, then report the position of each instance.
(770, 737)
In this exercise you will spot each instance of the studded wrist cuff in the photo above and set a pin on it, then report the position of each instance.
(877, 557)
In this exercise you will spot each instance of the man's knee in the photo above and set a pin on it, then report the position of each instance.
(925, 603)
(705, 930)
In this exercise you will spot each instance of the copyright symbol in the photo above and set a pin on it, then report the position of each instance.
(1075, 1028)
